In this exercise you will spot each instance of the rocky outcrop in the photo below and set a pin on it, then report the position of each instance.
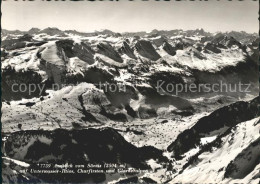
(225, 40)
(146, 49)
(168, 48)
(93, 75)
(159, 40)
(212, 47)
(195, 53)
(125, 49)
(71, 49)
(107, 50)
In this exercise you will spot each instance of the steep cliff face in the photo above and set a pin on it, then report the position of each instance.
(72, 49)
(146, 50)
(227, 41)
(125, 49)
(168, 48)
(107, 50)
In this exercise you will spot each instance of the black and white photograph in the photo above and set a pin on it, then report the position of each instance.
(122, 92)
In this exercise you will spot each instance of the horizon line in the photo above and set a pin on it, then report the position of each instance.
(100, 30)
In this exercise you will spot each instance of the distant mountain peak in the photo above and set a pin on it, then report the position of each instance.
(52, 31)
(33, 30)
(105, 31)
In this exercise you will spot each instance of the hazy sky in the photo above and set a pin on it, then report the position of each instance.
(130, 16)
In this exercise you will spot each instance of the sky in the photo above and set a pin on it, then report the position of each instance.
(131, 16)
